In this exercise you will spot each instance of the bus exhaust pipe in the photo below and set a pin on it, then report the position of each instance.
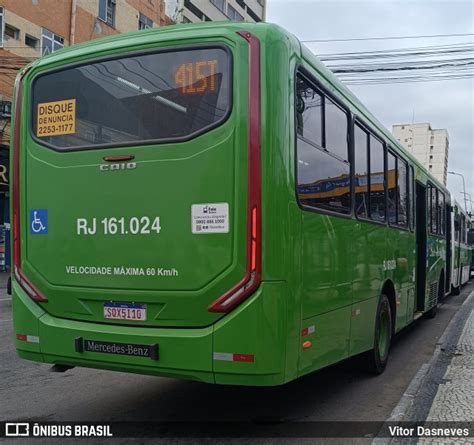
(60, 368)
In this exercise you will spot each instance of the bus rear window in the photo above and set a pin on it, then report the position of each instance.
(144, 98)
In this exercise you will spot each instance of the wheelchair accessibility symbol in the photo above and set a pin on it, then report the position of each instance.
(38, 222)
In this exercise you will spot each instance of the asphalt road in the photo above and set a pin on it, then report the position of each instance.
(29, 391)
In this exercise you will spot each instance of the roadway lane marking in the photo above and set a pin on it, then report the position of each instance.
(8, 319)
(5, 299)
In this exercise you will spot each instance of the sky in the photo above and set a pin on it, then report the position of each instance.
(445, 104)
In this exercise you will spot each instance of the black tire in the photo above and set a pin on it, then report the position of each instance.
(456, 290)
(432, 312)
(376, 359)
(9, 285)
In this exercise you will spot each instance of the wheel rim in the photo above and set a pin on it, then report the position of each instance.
(384, 333)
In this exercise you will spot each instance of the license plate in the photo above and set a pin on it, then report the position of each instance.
(125, 311)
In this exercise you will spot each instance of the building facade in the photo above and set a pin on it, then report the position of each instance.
(429, 146)
(218, 10)
(33, 28)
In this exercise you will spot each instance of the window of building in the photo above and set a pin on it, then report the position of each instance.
(10, 32)
(361, 172)
(144, 22)
(431, 147)
(402, 193)
(2, 24)
(392, 188)
(196, 11)
(403, 127)
(219, 4)
(253, 15)
(50, 42)
(32, 42)
(377, 180)
(107, 11)
(233, 14)
(323, 170)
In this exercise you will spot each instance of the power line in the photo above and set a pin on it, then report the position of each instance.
(383, 81)
(397, 53)
(387, 38)
(371, 67)
(416, 48)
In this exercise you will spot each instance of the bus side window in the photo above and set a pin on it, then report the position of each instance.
(456, 225)
(411, 196)
(309, 112)
(442, 214)
(361, 172)
(377, 180)
(402, 199)
(433, 206)
(392, 188)
(323, 169)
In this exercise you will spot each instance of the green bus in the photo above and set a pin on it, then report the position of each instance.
(209, 202)
(461, 247)
(471, 243)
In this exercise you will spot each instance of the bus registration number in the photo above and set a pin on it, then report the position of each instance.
(125, 311)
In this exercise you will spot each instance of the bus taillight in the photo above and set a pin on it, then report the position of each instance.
(251, 280)
(20, 277)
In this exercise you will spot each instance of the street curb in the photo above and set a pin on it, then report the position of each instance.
(406, 401)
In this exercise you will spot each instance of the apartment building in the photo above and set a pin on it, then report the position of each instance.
(430, 146)
(218, 10)
(32, 28)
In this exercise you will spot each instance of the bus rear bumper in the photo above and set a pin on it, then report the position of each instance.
(240, 349)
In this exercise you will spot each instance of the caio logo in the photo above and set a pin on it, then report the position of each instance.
(117, 166)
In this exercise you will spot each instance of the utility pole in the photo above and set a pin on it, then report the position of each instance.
(463, 186)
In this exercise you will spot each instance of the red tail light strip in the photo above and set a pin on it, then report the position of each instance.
(252, 277)
(34, 293)
(16, 176)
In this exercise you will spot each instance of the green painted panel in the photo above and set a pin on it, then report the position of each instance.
(330, 340)
(363, 325)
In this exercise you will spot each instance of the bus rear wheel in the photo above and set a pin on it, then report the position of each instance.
(377, 358)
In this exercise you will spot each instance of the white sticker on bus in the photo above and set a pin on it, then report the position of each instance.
(210, 218)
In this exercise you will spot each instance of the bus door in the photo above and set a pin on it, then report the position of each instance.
(421, 246)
